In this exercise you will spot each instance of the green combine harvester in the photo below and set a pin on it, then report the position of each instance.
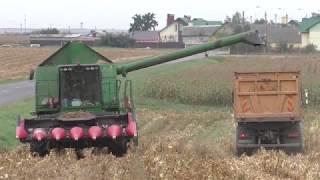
(81, 101)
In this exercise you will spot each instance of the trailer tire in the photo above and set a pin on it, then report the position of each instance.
(298, 149)
(240, 151)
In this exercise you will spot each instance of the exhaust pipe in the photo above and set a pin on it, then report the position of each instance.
(58, 133)
(39, 134)
(76, 133)
(114, 131)
(95, 132)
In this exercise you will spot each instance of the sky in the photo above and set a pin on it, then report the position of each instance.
(117, 14)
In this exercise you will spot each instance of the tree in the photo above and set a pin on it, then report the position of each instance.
(47, 31)
(117, 40)
(227, 20)
(236, 18)
(144, 22)
(260, 21)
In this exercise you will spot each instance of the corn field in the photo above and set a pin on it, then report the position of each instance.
(211, 84)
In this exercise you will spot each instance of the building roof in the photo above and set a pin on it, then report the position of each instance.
(203, 22)
(308, 23)
(277, 33)
(199, 30)
(294, 22)
(183, 20)
(146, 36)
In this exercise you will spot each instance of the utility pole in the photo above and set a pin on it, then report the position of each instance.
(81, 25)
(265, 16)
(25, 23)
(242, 17)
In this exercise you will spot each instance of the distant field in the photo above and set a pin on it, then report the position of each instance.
(14, 39)
(17, 62)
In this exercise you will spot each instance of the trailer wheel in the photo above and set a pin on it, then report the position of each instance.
(119, 147)
(298, 149)
(39, 148)
(240, 151)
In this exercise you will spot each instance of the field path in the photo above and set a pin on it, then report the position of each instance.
(17, 91)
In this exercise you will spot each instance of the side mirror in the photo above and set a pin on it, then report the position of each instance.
(31, 75)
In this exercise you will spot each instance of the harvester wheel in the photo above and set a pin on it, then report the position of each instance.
(119, 147)
(39, 148)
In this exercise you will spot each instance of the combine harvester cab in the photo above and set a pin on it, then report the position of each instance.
(82, 101)
(267, 109)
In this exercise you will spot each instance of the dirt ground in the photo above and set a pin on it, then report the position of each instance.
(173, 145)
(17, 62)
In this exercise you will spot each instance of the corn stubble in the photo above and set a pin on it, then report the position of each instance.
(173, 146)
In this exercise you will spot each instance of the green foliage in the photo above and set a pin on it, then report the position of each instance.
(236, 18)
(310, 48)
(260, 21)
(144, 22)
(117, 40)
(47, 31)
(8, 119)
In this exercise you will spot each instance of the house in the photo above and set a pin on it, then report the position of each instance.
(61, 39)
(173, 30)
(151, 39)
(310, 31)
(194, 35)
(145, 39)
(146, 36)
(276, 34)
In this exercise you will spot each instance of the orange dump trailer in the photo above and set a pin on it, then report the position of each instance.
(267, 110)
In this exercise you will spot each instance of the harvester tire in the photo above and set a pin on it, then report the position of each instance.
(39, 148)
(119, 147)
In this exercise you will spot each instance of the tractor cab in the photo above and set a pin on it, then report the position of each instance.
(80, 86)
